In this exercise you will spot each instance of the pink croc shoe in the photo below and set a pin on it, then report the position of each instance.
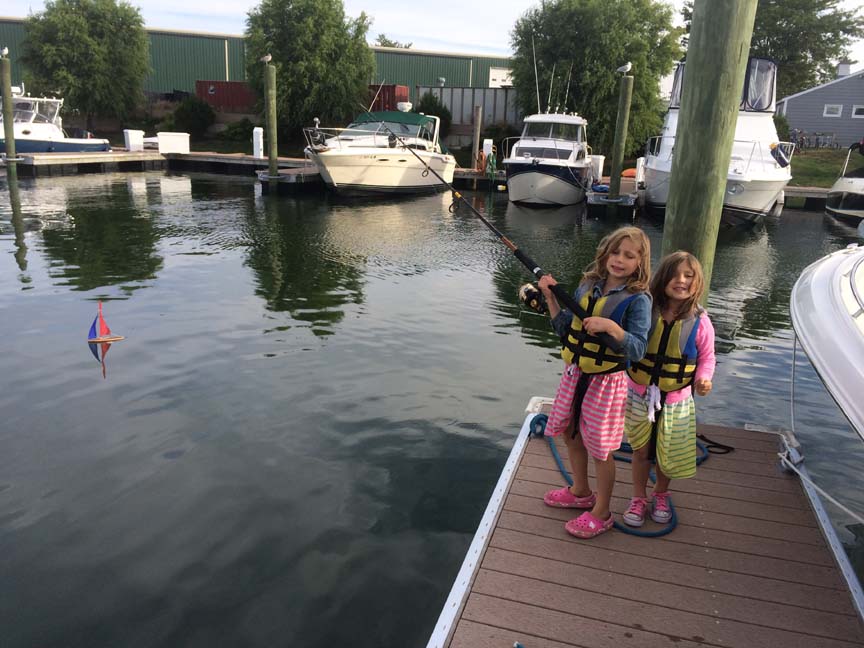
(588, 526)
(563, 498)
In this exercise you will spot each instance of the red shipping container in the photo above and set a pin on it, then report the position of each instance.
(388, 96)
(227, 96)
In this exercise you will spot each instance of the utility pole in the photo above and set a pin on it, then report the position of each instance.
(713, 77)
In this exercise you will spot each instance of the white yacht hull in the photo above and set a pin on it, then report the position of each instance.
(377, 170)
(545, 186)
(845, 200)
(744, 200)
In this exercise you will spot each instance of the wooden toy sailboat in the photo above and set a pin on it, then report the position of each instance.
(104, 333)
(100, 338)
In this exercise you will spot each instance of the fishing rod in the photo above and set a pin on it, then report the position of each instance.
(560, 294)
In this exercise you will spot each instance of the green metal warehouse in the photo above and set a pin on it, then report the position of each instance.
(179, 58)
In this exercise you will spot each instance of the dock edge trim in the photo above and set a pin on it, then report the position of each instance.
(445, 625)
(836, 545)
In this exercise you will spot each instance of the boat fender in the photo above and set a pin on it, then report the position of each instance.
(481, 160)
(530, 295)
(778, 154)
(391, 140)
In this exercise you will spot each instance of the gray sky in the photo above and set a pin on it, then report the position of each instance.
(444, 25)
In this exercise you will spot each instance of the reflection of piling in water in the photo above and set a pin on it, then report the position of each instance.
(713, 78)
(17, 221)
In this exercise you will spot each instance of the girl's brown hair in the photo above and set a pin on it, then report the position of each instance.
(638, 281)
(666, 270)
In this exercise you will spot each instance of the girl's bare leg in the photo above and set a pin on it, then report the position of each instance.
(663, 481)
(578, 462)
(605, 484)
(641, 469)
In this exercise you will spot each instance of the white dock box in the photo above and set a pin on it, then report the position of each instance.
(173, 142)
(134, 140)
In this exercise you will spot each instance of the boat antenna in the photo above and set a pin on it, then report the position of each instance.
(551, 83)
(560, 293)
(567, 93)
(536, 78)
(376, 96)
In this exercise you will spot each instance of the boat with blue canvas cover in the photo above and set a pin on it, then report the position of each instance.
(38, 128)
(550, 163)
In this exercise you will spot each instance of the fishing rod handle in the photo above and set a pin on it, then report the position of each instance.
(560, 293)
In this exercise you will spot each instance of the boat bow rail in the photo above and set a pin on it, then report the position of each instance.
(745, 154)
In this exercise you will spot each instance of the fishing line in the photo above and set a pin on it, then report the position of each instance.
(559, 292)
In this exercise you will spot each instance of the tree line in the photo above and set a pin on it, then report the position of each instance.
(94, 53)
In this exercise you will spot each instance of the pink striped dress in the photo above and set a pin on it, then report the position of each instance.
(601, 422)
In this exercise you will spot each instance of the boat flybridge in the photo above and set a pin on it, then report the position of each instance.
(38, 127)
(759, 165)
(385, 152)
(845, 199)
(550, 163)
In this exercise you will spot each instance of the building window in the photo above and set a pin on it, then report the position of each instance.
(832, 110)
(857, 112)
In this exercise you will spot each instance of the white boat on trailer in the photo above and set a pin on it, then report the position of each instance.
(759, 168)
(845, 200)
(371, 155)
(38, 127)
(550, 163)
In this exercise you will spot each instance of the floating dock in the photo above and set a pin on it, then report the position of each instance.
(747, 566)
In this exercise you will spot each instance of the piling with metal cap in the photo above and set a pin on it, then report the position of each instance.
(273, 152)
(713, 77)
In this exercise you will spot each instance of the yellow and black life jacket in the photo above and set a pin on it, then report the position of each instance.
(670, 358)
(589, 351)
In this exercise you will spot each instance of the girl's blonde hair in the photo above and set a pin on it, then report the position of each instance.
(666, 270)
(638, 281)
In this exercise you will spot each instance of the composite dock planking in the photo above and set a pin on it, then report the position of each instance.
(747, 565)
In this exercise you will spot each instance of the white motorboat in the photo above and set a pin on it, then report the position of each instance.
(759, 165)
(550, 164)
(372, 156)
(38, 127)
(845, 199)
(827, 308)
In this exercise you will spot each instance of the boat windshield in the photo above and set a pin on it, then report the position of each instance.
(757, 95)
(33, 110)
(402, 130)
(554, 130)
(854, 165)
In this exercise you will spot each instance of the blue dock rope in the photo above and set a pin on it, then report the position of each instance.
(537, 428)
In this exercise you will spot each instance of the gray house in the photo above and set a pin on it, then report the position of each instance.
(833, 111)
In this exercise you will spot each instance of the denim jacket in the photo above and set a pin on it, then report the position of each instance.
(636, 322)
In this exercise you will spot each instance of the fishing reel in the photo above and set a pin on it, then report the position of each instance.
(530, 295)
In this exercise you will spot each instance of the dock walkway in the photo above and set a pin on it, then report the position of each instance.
(747, 565)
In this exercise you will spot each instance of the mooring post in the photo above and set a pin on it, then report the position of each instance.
(713, 77)
(625, 95)
(8, 130)
(475, 151)
(272, 148)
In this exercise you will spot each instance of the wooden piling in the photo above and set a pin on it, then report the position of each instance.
(713, 77)
(9, 131)
(272, 148)
(625, 95)
(475, 153)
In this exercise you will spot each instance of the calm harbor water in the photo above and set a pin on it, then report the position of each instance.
(297, 439)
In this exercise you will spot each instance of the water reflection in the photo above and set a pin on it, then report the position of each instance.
(17, 224)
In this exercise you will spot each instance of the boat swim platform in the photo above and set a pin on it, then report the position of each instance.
(747, 566)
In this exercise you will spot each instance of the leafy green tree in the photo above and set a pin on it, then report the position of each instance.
(93, 53)
(595, 37)
(323, 64)
(383, 41)
(805, 37)
(194, 116)
(430, 105)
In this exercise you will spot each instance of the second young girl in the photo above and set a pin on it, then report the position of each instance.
(661, 414)
(610, 331)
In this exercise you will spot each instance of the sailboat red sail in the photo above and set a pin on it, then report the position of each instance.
(99, 331)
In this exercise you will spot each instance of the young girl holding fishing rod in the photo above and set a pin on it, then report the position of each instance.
(661, 414)
(597, 346)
